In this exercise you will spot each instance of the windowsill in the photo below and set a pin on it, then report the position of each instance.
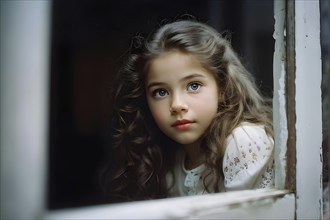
(261, 203)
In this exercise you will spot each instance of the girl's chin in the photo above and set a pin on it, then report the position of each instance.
(187, 141)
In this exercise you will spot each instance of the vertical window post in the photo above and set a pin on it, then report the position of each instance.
(24, 31)
(308, 110)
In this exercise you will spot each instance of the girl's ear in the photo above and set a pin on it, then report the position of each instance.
(221, 96)
(221, 101)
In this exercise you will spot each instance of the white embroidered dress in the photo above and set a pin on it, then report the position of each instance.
(248, 163)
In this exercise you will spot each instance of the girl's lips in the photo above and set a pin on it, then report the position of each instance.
(182, 124)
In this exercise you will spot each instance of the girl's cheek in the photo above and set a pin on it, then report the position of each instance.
(158, 113)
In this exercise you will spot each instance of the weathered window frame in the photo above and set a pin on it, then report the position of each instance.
(24, 112)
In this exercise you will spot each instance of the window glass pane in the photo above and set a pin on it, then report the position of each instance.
(88, 37)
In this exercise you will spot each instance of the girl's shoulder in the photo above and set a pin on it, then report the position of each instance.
(249, 134)
(248, 158)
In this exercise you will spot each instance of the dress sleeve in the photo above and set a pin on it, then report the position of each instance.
(248, 159)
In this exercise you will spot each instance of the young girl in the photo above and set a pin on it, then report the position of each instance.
(188, 119)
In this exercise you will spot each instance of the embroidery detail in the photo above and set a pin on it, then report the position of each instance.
(245, 157)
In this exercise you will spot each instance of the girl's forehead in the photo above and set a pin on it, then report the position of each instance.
(174, 59)
(175, 65)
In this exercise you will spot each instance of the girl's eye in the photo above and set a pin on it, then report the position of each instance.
(194, 87)
(159, 93)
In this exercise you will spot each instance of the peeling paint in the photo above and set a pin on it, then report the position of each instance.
(279, 100)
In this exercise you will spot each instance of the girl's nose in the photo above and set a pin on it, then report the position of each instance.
(178, 105)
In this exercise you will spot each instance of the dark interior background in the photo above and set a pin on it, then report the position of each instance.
(88, 37)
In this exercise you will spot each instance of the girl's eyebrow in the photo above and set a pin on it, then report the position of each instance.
(194, 75)
(155, 84)
(189, 77)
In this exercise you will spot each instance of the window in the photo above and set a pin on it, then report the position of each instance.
(85, 48)
(24, 106)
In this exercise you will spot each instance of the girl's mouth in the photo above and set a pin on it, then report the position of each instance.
(182, 124)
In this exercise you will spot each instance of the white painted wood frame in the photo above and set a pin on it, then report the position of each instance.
(24, 45)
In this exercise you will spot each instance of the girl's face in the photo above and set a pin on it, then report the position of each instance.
(182, 96)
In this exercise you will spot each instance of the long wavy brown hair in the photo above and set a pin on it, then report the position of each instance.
(143, 154)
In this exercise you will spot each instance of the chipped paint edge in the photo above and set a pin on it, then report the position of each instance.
(279, 99)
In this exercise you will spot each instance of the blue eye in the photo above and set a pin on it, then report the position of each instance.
(194, 86)
(159, 93)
